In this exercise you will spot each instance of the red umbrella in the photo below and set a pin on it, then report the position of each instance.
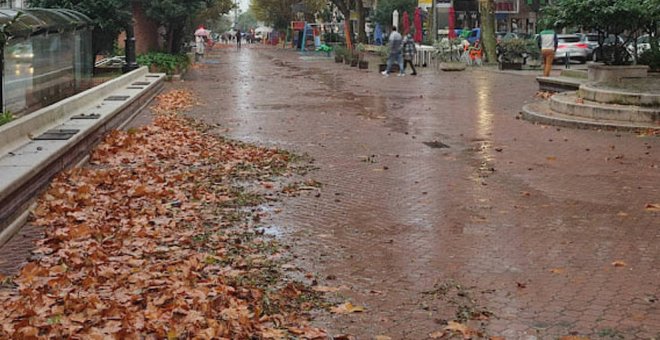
(452, 23)
(406, 23)
(418, 25)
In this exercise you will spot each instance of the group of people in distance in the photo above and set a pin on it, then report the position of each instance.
(402, 51)
(203, 39)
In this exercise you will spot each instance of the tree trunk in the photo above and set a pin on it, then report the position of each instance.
(362, 34)
(487, 13)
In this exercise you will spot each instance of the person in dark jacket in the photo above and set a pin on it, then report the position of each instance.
(409, 52)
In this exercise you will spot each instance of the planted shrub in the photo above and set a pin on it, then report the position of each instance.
(164, 62)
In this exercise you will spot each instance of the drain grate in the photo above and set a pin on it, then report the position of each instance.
(87, 116)
(57, 134)
(135, 88)
(117, 98)
(152, 76)
(141, 83)
(436, 144)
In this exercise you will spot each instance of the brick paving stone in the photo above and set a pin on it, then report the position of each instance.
(506, 202)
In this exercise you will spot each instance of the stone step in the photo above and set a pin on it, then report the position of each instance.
(559, 84)
(541, 113)
(601, 94)
(570, 104)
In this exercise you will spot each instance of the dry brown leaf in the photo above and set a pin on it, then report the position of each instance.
(557, 270)
(652, 207)
(274, 333)
(574, 337)
(347, 308)
(437, 335)
(382, 337)
(463, 329)
(619, 263)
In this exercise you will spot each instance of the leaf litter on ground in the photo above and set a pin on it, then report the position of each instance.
(141, 243)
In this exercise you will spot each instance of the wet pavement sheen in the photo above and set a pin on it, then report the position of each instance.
(527, 219)
(433, 181)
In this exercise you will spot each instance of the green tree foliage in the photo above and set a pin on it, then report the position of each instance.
(179, 17)
(246, 21)
(110, 17)
(606, 17)
(279, 13)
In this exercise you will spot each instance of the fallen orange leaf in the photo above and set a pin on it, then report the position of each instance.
(619, 263)
(457, 327)
(347, 308)
(437, 335)
(652, 207)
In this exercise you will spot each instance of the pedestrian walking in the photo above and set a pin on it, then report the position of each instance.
(409, 51)
(201, 36)
(547, 41)
(395, 42)
(238, 38)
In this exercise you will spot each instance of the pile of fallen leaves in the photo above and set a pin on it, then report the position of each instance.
(145, 243)
(174, 101)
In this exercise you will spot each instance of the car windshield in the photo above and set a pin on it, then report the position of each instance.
(592, 37)
(568, 39)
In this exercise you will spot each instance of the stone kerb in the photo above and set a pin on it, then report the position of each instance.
(620, 97)
(599, 73)
(17, 132)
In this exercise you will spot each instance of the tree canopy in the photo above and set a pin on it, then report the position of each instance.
(180, 16)
(280, 13)
(607, 17)
(610, 16)
(246, 20)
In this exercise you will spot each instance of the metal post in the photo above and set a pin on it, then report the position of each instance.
(567, 61)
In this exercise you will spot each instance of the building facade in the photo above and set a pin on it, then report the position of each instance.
(520, 16)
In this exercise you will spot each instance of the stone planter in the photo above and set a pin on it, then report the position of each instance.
(599, 73)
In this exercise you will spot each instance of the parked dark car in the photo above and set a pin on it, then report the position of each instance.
(612, 47)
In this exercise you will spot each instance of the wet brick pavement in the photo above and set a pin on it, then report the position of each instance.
(527, 219)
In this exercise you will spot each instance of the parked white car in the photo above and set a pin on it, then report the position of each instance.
(572, 46)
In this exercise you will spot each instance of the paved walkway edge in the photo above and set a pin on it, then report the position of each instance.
(539, 113)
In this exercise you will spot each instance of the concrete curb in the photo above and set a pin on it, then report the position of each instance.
(567, 103)
(603, 95)
(541, 113)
